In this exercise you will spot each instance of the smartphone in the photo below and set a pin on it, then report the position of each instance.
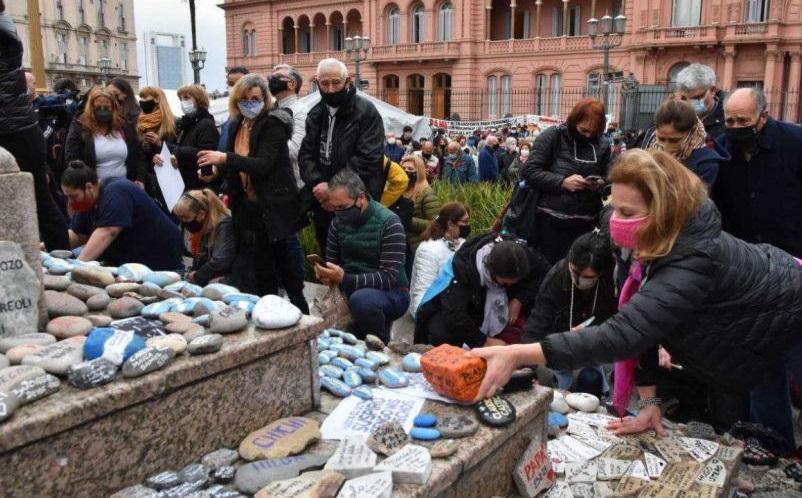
(314, 259)
(587, 322)
(594, 178)
(207, 170)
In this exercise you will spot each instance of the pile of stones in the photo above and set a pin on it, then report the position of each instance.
(128, 320)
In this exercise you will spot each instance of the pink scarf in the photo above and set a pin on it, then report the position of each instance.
(625, 370)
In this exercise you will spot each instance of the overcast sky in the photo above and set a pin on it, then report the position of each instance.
(172, 16)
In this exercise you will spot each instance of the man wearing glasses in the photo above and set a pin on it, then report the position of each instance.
(697, 84)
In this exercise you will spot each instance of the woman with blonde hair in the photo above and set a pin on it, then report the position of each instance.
(208, 222)
(156, 123)
(421, 194)
(730, 312)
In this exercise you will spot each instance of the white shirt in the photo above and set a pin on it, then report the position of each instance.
(299, 112)
(430, 258)
(111, 153)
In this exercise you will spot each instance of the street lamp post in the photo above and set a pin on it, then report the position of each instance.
(198, 60)
(357, 50)
(609, 27)
(104, 65)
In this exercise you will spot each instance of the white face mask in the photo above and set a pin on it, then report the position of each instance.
(391, 141)
(188, 107)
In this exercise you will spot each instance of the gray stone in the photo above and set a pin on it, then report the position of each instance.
(83, 291)
(254, 476)
(444, 448)
(421, 348)
(118, 290)
(166, 294)
(457, 425)
(63, 304)
(137, 491)
(19, 290)
(12, 377)
(64, 327)
(56, 282)
(91, 275)
(37, 388)
(99, 320)
(164, 480)
(8, 404)
(4, 362)
(40, 339)
(184, 490)
(147, 289)
(388, 438)
(227, 319)
(374, 343)
(147, 360)
(219, 491)
(224, 475)
(194, 472)
(98, 302)
(223, 457)
(92, 373)
(57, 358)
(400, 347)
(205, 344)
(125, 307)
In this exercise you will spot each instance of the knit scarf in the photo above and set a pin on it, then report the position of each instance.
(149, 122)
(625, 370)
(696, 140)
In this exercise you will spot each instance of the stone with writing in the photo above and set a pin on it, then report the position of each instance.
(670, 449)
(224, 475)
(624, 452)
(410, 465)
(227, 319)
(92, 373)
(533, 473)
(452, 373)
(611, 468)
(184, 490)
(113, 344)
(393, 378)
(220, 491)
(83, 291)
(654, 465)
(325, 486)
(91, 275)
(583, 402)
(388, 438)
(496, 411)
(12, 377)
(284, 437)
(125, 307)
(19, 292)
(137, 491)
(629, 485)
(714, 473)
(457, 425)
(637, 469)
(603, 489)
(205, 344)
(582, 490)
(36, 388)
(411, 362)
(9, 403)
(335, 386)
(659, 490)
(59, 357)
(379, 357)
(681, 475)
(194, 472)
(69, 326)
(363, 392)
(176, 342)
(729, 453)
(163, 480)
(700, 449)
(62, 304)
(224, 457)
(56, 282)
(147, 360)
(375, 485)
(581, 471)
(253, 476)
(352, 458)
(9, 342)
(133, 272)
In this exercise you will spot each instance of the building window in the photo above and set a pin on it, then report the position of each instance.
(337, 38)
(418, 20)
(246, 43)
(61, 42)
(756, 11)
(253, 42)
(305, 38)
(750, 84)
(687, 13)
(508, 25)
(541, 84)
(446, 21)
(525, 22)
(60, 9)
(394, 26)
(674, 71)
(492, 96)
(103, 50)
(555, 95)
(101, 14)
(81, 11)
(574, 21)
(124, 56)
(121, 18)
(557, 21)
(506, 92)
(83, 48)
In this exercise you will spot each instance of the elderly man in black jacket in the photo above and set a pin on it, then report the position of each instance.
(344, 130)
(20, 133)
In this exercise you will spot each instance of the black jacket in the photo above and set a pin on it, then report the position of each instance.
(81, 145)
(215, 261)
(463, 301)
(358, 143)
(270, 169)
(553, 159)
(725, 309)
(552, 311)
(195, 133)
(714, 121)
(16, 111)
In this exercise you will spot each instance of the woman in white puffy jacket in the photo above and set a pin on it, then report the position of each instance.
(441, 239)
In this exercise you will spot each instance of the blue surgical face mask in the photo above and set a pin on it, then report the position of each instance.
(250, 108)
(699, 106)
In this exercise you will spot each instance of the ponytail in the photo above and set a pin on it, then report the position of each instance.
(453, 212)
(207, 200)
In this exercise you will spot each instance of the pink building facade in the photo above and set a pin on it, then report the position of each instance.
(483, 59)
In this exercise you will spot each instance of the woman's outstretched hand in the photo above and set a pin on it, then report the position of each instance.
(649, 417)
(501, 363)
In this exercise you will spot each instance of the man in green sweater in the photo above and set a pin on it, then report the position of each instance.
(365, 256)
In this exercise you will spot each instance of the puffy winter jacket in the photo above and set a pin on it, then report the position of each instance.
(195, 133)
(554, 158)
(16, 111)
(429, 260)
(725, 309)
(357, 143)
(427, 205)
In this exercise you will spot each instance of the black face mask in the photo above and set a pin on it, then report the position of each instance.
(349, 216)
(276, 85)
(335, 99)
(147, 106)
(413, 177)
(426, 156)
(103, 115)
(464, 231)
(193, 226)
(579, 138)
(745, 138)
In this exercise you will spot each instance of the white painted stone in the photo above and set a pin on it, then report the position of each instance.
(581, 471)
(583, 402)
(713, 474)
(412, 464)
(582, 490)
(700, 449)
(533, 472)
(352, 458)
(611, 468)
(377, 485)
(559, 490)
(559, 405)
(273, 312)
(602, 490)
(637, 469)
(593, 419)
(557, 460)
(654, 465)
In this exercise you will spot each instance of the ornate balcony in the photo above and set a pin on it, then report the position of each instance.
(533, 45)
(310, 58)
(414, 51)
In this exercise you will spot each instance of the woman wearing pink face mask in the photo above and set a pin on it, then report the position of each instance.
(730, 312)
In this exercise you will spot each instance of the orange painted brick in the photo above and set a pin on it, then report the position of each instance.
(452, 373)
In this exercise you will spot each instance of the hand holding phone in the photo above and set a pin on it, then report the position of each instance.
(314, 259)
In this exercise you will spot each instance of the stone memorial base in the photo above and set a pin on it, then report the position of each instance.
(95, 442)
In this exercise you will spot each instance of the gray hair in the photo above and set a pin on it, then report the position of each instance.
(332, 65)
(694, 77)
(758, 97)
(350, 181)
(292, 73)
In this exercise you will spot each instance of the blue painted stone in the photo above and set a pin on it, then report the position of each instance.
(349, 338)
(362, 347)
(238, 296)
(336, 339)
(162, 278)
(330, 354)
(363, 392)
(325, 333)
(59, 267)
(332, 371)
(191, 290)
(156, 309)
(134, 272)
(424, 434)
(187, 306)
(380, 358)
(175, 286)
(246, 306)
(205, 306)
(368, 375)
(352, 379)
(217, 291)
(202, 320)
(411, 362)
(425, 420)
(149, 289)
(335, 386)
(101, 339)
(392, 378)
(366, 363)
(323, 359)
(323, 342)
(558, 419)
(341, 363)
(348, 352)
(335, 332)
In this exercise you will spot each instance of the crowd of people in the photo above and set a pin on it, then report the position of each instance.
(674, 260)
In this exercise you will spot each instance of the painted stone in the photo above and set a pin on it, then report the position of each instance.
(114, 345)
(457, 425)
(57, 358)
(424, 434)
(323, 359)
(205, 344)
(379, 357)
(284, 437)
(496, 411)
(363, 392)
(137, 491)
(194, 472)
(376, 485)
(204, 306)
(349, 338)
(559, 405)
(411, 362)
(34, 389)
(11, 377)
(227, 320)
(332, 371)
(713, 474)
(69, 326)
(700, 449)
(342, 363)
(133, 272)
(366, 363)
(581, 471)
(238, 296)
(147, 360)
(452, 373)
(425, 420)
(163, 480)
(368, 376)
(176, 342)
(352, 379)
(216, 292)
(92, 373)
(412, 464)
(161, 278)
(533, 473)
(611, 468)
(352, 458)
(224, 475)
(324, 486)
(273, 312)
(156, 310)
(220, 491)
(388, 438)
(654, 465)
(224, 457)
(335, 386)
(254, 476)
(583, 402)
(393, 378)
(350, 353)
(8, 404)
(191, 290)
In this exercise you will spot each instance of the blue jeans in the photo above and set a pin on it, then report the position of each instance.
(770, 404)
(295, 253)
(375, 310)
